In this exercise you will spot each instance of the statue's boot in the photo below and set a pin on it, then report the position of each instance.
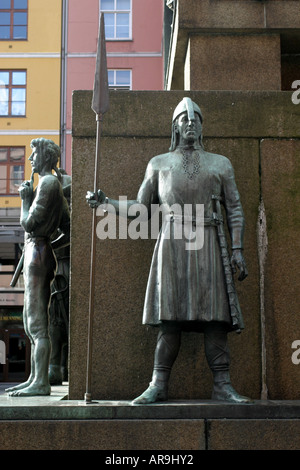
(223, 390)
(218, 358)
(167, 347)
(151, 395)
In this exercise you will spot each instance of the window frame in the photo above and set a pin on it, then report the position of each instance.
(115, 86)
(115, 12)
(13, 10)
(12, 87)
(9, 164)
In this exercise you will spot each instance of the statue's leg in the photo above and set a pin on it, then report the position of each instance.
(167, 348)
(64, 362)
(41, 355)
(218, 358)
(55, 372)
(32, 372)
(31, 375)
(59, 308)
(41, 273)
(40, 359)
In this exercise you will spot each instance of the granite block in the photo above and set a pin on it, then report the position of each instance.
(102, 435)
(233, 62)
(280, 168)
(136, 114)
(240, 434)
(230, 14)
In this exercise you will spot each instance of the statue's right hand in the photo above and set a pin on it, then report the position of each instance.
(25, 190)
(95, 199)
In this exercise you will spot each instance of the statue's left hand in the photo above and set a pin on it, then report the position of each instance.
(238, 261)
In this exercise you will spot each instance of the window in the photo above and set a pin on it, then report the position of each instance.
(13, 19)
(117, 18)
(119, 79)
(11, 169)
(12, 93)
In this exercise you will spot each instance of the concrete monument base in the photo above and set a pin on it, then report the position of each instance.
(56, 423)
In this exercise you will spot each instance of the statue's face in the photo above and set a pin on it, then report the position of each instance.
(190, 130)
(37, 160)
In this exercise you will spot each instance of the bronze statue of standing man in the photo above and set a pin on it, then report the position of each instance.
(191, 290)
(43, 212)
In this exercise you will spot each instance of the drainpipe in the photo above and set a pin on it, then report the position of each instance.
(63, 80)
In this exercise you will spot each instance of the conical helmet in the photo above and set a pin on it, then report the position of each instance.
(187, 106)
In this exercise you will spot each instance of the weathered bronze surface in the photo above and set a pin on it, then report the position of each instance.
(59, 306)
(190, 289)
(44, 214)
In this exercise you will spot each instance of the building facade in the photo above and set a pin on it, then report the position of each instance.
(29, 92)
(30, 89)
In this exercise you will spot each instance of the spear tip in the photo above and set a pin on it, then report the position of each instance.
(100, 102)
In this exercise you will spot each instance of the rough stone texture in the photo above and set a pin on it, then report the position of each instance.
(282, 14)
(53, 423)
(235, 62)
(239, 14)
(231, 14)
(280, 166)
(245, 348)
(136, 128)
(232, 17)
(240, 434)
(102, 435)
(252, 114)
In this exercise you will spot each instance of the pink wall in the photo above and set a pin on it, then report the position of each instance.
(81, 73)
(147, 24)
(147, 72)
(83, 23)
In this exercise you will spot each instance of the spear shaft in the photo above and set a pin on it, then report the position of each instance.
(88, 394)
(100, 105)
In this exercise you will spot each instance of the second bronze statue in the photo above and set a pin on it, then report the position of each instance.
(44, 213)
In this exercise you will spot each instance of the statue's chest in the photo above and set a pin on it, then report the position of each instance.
(191, 180)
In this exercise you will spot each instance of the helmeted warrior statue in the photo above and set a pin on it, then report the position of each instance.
(191, 289)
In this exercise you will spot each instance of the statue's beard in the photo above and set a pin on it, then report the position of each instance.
(190, 140)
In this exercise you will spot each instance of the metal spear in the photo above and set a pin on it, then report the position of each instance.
(100, 105)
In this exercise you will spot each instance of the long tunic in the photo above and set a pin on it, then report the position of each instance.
(187, 285)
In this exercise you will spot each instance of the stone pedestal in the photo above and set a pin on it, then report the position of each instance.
(53, 423)
(258, 132)
(234, 45)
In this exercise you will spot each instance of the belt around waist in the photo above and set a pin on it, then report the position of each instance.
(214, 220)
